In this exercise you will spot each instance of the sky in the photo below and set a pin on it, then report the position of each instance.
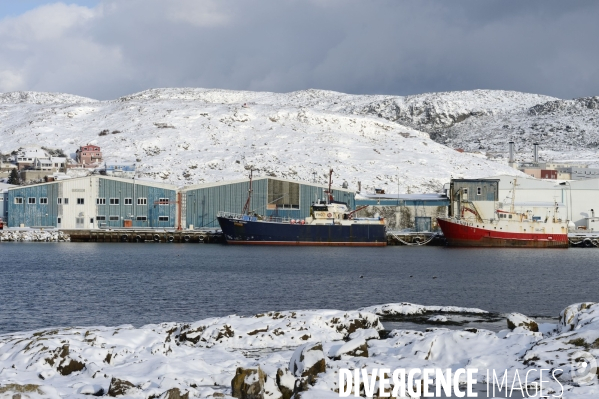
(104, 49)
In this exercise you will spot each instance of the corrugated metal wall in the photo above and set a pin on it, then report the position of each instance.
(33, 214)
(4, 206)
(153, 209)
(203, 204)
(489, 189)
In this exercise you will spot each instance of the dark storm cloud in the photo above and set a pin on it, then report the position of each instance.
(390, 47)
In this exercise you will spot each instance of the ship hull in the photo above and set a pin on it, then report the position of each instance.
(242, 232)
(462, 235)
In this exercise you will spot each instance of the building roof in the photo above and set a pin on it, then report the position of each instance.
(226, 182)
(120, 179)
(539, 184)
(402, 197)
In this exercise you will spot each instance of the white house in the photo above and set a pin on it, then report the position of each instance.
(52, 164)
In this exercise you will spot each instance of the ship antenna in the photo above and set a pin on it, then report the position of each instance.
(513, 195)
(246, 207)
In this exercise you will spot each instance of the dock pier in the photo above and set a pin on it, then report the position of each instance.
(146, 235)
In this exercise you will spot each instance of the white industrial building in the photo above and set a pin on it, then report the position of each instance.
(578, 200)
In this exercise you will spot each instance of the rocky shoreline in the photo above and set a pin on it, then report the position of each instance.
(289, 354)
(33, 236)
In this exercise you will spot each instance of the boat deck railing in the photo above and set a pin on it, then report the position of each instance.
(273, 219)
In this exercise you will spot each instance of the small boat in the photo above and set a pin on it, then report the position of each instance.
(507, 228)
(330, 223)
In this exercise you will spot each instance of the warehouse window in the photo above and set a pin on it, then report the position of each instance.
(142, 218)
(98, 218)
(80, 201)
(128, 201)
(479, 191)
(163, 201)
(100, 201)
(65, 201)
(283, 195)
(114, 201)
(113, 218)
(18, 200)
(43, 200)
(163, 218)
(31, 200)
(142, 201)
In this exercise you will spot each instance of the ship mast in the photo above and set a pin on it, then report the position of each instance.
(246, 207)
(513, 194)
(329, 192)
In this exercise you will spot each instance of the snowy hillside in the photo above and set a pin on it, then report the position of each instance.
(565, 129)
(187, 136)
(32, 97)
(484, 120)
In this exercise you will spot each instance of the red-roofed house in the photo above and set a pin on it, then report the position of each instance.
(89, 154)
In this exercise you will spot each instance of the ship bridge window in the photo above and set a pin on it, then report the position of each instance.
(283, 195)
(479, 191)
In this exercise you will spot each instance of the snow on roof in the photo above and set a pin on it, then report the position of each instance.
(225, 182)
(120, 179)
(406, 197)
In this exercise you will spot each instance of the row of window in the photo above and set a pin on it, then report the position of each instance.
(127, 201)
(44, 200)
(140, 218)
(99, 201)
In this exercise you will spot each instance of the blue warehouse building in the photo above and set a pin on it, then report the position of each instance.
(93, 202)
(270, 196)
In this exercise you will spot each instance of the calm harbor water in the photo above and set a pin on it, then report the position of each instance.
(68, 284)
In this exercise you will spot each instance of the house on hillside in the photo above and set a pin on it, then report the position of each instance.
(26, 158)
(51, 164)
(88, 155)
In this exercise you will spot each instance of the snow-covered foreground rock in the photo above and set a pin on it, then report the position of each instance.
(188, 136)
(272, 355)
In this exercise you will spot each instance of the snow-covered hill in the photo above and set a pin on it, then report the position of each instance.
(484, 120)
(187, 136)
(32, 97)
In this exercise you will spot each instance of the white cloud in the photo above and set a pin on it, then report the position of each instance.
(10, 80)
(120, 47)
(47, 22)
(197, 13)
